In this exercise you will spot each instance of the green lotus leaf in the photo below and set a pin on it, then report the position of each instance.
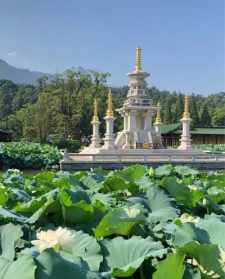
(87, 248)
(23, 268)
(215, 229)
(51, 265)
(10, 234)
(30, 207)
(125, 256)
(171, 268)
(208, 256)
(115, 183)
(9, 215)
(216, 195)
(77, 209)
(160, 206)
(116, 221)
(126, 178)
(164, 170)
(49, 212)
(4, 196)
(188, 232)
(185, 171)
(132, 173)
(180, 192)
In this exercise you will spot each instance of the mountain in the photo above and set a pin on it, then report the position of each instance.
(18, 75)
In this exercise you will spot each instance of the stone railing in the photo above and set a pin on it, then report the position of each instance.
(139, 158)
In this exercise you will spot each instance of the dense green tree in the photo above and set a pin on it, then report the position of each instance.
(7, 91)
(205, 119)
(63, 105)
(194, 112)
(219, 117)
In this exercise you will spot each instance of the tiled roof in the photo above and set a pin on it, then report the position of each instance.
(209, 131)
(176, 129)
(169, 128)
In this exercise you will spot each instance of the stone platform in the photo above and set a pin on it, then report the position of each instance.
(121, 158)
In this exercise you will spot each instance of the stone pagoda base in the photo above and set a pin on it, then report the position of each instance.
(107, 159)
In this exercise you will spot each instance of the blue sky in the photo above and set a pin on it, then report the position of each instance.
(183, 41)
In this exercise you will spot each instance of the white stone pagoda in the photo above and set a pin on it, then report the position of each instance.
(137, 112)
(140, 140)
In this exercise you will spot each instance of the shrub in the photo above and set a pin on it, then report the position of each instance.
(70, 144)
(25, 155)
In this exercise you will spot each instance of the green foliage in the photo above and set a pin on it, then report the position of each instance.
(116, 221)
(87, 248)
(61, 106)
(23, 268)
(160, 206)
(24, 155)
(51, 265)
(125, 256)
(172, 267)
(205, 120)
(135, 223)
(64, 106)
(68, 144)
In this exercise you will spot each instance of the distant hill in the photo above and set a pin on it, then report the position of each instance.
(18, 75)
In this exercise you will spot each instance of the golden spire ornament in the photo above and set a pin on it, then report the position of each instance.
(158, 115)
(95, 115)
(110, 105)
(186, 107)
(138, 60)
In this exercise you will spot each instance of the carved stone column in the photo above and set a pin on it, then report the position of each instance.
(95, 140)
(185, 141)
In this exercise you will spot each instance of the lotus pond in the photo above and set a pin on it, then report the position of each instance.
(137, 223)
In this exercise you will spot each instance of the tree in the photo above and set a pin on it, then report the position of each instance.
(219, 117)
(205, 117)
(7, 91)
(179, 107)
(63, 105)
(194, 112)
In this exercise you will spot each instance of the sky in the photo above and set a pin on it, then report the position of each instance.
(183, 41)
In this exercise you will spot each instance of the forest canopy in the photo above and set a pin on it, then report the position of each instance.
(63, 106)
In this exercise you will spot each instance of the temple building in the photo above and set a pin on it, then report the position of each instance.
(211, 135)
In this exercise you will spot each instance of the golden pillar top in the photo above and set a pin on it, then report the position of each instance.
(95, 114)
(158, 115)
(110, 104)
(186, 107)
(138, 60)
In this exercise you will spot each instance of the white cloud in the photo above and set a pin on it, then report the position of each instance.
(12, 53)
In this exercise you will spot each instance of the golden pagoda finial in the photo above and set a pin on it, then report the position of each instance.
(186, 107)
(138, 60)
(95, 115)
(158, 116)
(110, 104)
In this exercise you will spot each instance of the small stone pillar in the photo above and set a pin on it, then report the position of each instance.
(185, 141)
(158, 124)
(148, 121)
(95, 140)
(109, 142)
